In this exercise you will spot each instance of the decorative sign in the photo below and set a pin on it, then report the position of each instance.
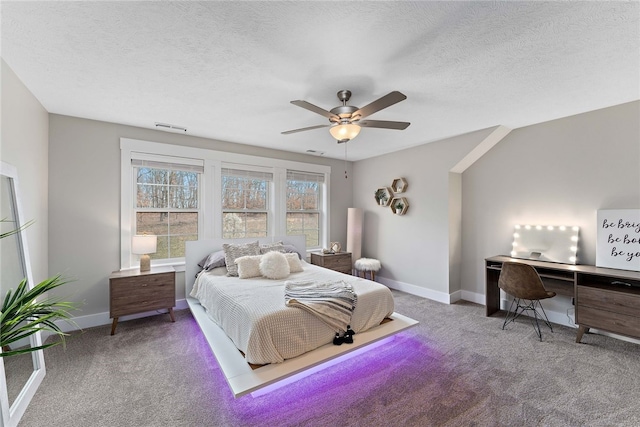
(619, 239)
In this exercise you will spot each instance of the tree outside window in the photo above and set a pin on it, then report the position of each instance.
(304, 204)
(245, 201)
(167, 205)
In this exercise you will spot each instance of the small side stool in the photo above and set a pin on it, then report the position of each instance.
(364, 265)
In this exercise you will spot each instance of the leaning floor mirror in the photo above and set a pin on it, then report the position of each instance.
(20, 374)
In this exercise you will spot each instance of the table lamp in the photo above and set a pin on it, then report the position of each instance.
(144, 245)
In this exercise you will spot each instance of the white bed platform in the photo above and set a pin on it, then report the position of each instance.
(242, 379)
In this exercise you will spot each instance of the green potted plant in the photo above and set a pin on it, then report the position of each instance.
(26, 311)
(381, 196)
(399, 206)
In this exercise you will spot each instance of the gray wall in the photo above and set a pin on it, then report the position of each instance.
(558, 172)
(553, 173)
(24, 143)
(415, 248)
(84, 199)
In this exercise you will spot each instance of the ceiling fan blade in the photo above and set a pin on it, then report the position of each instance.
(308, 106)
(303, 129)
(380, 103)
(383, 124)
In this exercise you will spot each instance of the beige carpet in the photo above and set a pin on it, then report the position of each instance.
(457, 368)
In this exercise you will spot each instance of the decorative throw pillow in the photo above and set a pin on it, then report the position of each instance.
(233, 252)
(213, 260)
(295, 266)
(249, 266)
(274, 265)
(278, 246)
(290, 249)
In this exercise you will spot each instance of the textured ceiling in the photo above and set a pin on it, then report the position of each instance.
(228, 70)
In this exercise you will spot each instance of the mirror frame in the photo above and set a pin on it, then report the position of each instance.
(547, 243)
(11, 414)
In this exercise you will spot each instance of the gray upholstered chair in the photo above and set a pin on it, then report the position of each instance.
(523, 283)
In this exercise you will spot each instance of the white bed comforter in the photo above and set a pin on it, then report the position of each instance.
(252, 312)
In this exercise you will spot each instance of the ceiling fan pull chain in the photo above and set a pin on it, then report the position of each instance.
(345, 161)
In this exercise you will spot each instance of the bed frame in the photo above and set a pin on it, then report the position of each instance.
(240, 376)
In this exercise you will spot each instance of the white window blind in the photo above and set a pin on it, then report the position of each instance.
(247, 174)
(169, 165)
(304, 176)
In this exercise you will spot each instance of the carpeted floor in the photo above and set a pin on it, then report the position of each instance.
(457, 368)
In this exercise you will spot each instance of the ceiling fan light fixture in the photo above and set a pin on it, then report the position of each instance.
(344, 131)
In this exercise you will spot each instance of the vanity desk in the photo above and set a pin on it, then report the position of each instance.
(605, 298)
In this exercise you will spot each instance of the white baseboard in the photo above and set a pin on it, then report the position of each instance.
(473, 297)
(415, 290)
(101, 319)
(559, 318)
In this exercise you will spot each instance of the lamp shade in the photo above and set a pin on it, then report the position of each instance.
(144, 244)
(344, 132)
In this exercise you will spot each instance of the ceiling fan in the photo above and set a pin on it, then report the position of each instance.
(345, 120)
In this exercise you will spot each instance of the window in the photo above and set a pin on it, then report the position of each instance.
(166, 203)
(304, 205)
(182, 193)
(245, 203)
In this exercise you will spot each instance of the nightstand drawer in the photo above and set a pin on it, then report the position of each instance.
(136, 304)
(142, 286)
(339, 262)
(132, 292)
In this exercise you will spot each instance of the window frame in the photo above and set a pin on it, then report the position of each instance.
(169, 164)
(210, 196)
(319, 202)
(269, 207)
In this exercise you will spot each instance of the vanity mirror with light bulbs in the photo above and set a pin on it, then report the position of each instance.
(546, 243)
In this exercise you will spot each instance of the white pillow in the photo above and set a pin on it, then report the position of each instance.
(274, 265)
(295, 266)
(249, 266)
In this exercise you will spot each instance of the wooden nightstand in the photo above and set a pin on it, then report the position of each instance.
(340, 261)
(132, 291)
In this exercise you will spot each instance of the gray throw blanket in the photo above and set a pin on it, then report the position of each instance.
(332, 302)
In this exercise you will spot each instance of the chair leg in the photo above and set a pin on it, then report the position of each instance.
(546, 319)
(510, 314)
(521, 308)
(536, 325)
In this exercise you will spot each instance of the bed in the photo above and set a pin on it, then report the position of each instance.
(254, 357)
